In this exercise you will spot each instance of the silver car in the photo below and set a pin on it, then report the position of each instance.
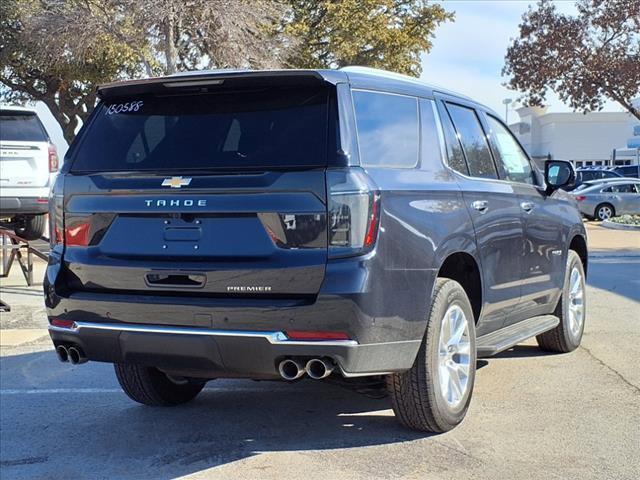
(606, 199)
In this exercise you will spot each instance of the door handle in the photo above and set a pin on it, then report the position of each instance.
(481, 205)
(527, 206)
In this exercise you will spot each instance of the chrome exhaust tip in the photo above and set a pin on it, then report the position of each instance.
(63, 353)
(319, 368)
(290, 369)
(76, 356)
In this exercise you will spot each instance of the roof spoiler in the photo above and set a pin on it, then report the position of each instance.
(205, 81)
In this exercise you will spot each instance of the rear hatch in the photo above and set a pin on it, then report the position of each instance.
(24, 150)
(201, 191)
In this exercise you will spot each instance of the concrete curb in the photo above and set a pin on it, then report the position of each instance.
(620, 226)
(598, 255)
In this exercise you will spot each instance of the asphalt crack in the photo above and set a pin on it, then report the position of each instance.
(610, 368)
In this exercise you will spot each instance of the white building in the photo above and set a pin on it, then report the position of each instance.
(584, 139)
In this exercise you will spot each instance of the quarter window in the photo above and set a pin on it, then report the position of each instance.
(514, 161)
(387, 126)
(474, 141)
(455, 157)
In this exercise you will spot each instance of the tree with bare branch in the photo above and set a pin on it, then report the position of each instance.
(586, 59)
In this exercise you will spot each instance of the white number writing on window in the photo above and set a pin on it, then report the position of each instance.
(124, 107)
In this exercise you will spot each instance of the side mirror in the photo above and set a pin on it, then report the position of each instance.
(558, 174)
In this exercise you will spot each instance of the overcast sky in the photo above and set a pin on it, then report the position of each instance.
(468, 55)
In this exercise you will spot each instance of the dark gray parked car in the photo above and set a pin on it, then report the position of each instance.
(323, 224)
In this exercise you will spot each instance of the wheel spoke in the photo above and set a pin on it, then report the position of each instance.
(454, 355)
(455, 384)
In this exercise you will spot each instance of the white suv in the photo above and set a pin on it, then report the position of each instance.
(28, 166)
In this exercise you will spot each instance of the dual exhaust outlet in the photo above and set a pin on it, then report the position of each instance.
(316, 368)
(71, 354)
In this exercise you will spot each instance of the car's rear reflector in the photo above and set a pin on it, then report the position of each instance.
(56, 322)
(580, 198)
(315, 335)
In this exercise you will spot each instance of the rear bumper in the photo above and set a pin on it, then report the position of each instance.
(383, 312)
(211, 353)
(23, 206)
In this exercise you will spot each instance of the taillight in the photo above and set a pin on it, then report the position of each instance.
(354, 212)
(53, 158)
(580, 198)
(56, 226)
(77, 234)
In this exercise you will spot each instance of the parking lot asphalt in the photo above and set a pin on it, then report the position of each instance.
(533, 415)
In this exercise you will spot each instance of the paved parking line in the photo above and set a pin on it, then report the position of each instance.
(58, 391)
(55, 391)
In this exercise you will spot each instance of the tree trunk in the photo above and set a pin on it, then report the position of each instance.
(67, 114)
(170, 51)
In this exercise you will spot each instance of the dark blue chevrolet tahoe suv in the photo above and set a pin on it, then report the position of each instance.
(287, 224)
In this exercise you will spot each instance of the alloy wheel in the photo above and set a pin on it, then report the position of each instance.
(576, 302)
(605, 213)
(454, 356)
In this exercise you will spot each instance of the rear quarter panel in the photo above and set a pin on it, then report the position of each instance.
(423, 221)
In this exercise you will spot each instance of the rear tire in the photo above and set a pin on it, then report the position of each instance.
(422, 397)
(32, 227)
(149, 386)
(571, 310)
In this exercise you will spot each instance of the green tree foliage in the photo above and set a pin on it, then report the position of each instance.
(389, 34)
(37, 62)
(585, 59)
(58, 51)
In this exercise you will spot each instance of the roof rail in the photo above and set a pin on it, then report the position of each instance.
(402, 77)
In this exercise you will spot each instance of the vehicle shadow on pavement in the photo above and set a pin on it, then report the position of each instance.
(523, 351)
(82, 406)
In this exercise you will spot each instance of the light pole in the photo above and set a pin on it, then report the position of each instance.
(506, 103)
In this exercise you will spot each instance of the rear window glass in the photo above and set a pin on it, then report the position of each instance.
(240, 129)
(21, 127)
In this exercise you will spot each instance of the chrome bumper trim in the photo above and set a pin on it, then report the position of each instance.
(275, 338)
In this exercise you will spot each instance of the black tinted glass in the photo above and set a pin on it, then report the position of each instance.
(242, 129)
(473, 141)
(387, 129)
(626, 188)
(455, 157)
(21, 127)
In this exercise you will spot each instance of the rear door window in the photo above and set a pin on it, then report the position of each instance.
(388, 129)
(474, 141)
(21, 127)
(263, 128)
(623, 188)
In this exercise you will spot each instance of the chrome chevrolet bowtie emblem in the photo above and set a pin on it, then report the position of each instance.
(176, 182)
